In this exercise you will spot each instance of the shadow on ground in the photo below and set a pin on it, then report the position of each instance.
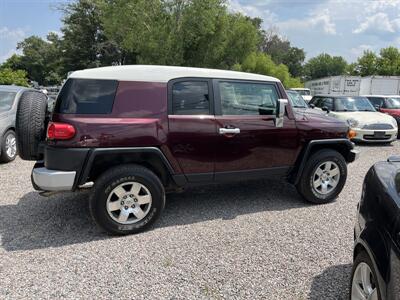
(64, 219)
(333, 283)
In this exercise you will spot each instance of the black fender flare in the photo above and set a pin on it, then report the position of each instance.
(349, 156)
(96, 152)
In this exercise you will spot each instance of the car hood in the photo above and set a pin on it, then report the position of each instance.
(364, 117)
(307, 114)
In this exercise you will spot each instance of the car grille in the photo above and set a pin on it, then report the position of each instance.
(378, 126)
(372, 137)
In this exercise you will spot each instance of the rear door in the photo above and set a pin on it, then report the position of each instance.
(192, 128)
(248, 140)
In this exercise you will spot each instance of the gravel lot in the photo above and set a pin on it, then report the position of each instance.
(255, 240)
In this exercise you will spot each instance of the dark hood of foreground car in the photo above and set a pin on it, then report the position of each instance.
(313, 115)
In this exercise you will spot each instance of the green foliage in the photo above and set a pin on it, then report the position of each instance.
(9, 76)
(261, 63)
(282, 52)
(386, 63)
(325, 65)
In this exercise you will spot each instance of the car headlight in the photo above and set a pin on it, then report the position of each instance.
(352, 123)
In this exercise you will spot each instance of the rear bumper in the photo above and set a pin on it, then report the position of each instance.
(52, 180)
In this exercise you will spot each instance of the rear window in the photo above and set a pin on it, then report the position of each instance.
(86, 96)
(6, 101)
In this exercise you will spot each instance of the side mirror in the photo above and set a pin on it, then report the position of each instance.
(325, 108)
(377, 107)
(312, 105)
(280, 112)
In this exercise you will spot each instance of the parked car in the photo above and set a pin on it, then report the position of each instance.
(368, 124)
(305, 93)
(376, 268)
(9, 96)
(140, 131)
(387, 104)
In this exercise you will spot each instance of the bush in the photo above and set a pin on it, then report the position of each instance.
(17, 77)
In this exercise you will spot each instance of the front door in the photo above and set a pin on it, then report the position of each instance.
(248, 140)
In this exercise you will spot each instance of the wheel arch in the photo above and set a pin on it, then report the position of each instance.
(101, 159)
(342, 146)
(373, 243)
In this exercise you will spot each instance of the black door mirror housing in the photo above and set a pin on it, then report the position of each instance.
(325, 108)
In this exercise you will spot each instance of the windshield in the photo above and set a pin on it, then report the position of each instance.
(6, 100)
(393, 102)
(353, 104)
(296, 100)
(303, 92)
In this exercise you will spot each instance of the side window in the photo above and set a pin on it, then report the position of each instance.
(315, 101)
(241, 98)
(376, 101)
(190, 98)
(328, 102)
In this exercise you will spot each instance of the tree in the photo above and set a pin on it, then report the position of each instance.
(366, 64)
(84, 44)
(9, 76)
(325, 65)
(282, 52)
(200, 33)
(389, 61)
(261, 63)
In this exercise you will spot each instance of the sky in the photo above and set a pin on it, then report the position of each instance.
(337, 27)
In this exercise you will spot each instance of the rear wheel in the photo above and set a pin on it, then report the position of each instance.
(30, 124)
(8, 147)
(364, 284)
(323, 177)
(127, 199)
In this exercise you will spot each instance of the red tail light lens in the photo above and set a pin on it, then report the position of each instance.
(60, 131)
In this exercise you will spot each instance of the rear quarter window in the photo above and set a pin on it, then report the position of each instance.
(6, 100)
(86, 96)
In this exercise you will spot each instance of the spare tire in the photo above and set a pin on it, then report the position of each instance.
(30, 124)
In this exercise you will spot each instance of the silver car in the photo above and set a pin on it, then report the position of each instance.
(9, 96)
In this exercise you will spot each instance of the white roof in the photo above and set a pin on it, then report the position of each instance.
(151, 73)
(383, 96)
(299, 89)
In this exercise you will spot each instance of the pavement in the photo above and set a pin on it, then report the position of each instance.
(248, 240)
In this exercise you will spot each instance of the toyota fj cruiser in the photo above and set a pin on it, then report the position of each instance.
(139, 131)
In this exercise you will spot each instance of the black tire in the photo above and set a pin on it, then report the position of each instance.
(305, 186)
(363, 257)
(4, 157)
(30, 124)
(112, 178)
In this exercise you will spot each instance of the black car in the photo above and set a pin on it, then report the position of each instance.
(376, 268)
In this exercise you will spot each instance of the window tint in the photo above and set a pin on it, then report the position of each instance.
(376, 101)
(86, 96)
(328, 102)
(190, 98)
(239, 98)
(315, 101)
(6, 101)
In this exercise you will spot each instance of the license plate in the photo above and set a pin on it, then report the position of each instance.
(379, 134)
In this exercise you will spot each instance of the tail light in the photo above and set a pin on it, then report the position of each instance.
(60, 131)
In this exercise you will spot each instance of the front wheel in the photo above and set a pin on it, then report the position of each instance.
(323, 177)
(364, 285)
(127, 199)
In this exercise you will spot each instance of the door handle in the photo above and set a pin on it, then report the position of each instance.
(229, 130)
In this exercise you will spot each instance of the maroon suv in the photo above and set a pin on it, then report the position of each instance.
(139, 131)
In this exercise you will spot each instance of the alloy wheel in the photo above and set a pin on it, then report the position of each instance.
(363, 286)
(326, 177)
(11, 145)
(129, 202)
